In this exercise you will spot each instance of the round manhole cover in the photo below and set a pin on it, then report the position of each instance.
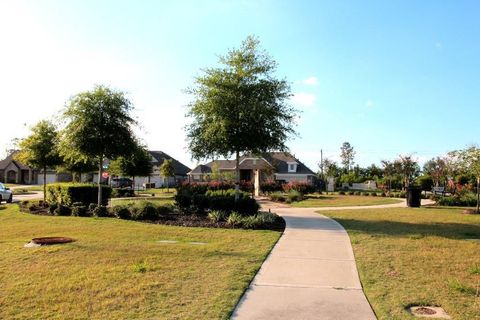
(45, 241)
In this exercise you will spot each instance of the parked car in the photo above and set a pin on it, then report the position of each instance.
(122, 183)
(5, 194)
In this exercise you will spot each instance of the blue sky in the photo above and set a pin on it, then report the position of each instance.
(390, 77)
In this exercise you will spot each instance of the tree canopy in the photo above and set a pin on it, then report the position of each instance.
(99, 125)
(167, 170)
(347, 154)
(239, 106)
(137, 164)
(40, 149)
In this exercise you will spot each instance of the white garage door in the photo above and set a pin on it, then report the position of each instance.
(51, 178)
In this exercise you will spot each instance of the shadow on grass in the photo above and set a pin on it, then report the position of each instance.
(397, 228)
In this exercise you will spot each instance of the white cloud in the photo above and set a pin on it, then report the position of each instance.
(369, 103)
(303, 99)
(311, 81)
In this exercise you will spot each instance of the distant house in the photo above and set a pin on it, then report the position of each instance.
(158, 157)
(274, 166)
(12, 171)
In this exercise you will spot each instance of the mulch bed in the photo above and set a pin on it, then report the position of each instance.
(174, 219)
(184, 220)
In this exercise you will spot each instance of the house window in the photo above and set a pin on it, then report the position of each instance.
(292, 167)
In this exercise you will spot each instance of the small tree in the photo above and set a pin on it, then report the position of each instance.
(239, 107)
(408, 168)
(167, 170)
(469, 160)
(99, 126)
(436, 168)
(347, 154)
(136, 164)
(40, 149)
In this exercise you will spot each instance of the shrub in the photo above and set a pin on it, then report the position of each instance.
(62, 210)
(164, 209)
(122, 192)
(294, 195)
(216, 216)
(79, 211)
(235, 219)
(52, 207)
(200, 203)
(270, 186)
(121, 212)
(144, 211)
(251, 222)
(342, 193)
(383, 194)
(267, 217)
(100, 211)
(373, 194)
(463, 199)
(402, 194)
(92, 207)
(277, 196)
(358, 193)
(351, 193)
(246, 206)
(68, 193)
(302, 187)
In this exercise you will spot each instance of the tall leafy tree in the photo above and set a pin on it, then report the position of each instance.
(240, 107)
(40, 149)
(469, 161)
(99, 126)
(347, 155)
(137, 164)
(408, 168)
(167, 170)
(437, 169)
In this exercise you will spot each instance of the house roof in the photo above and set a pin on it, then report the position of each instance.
(278, 160)
(10, 159)
(160, 156)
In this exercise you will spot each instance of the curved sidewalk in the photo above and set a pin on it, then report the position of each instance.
(311, 272)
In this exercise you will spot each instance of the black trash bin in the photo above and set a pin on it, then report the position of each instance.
(414, 196)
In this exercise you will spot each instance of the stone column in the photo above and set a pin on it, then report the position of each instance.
(257, 182)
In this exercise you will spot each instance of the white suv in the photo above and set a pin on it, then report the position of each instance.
(5, 194)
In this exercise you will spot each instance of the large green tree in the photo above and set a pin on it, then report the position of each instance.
(240, 107)
(167, 170)
(437, 169)
(137, 164)
(99, 126)
(40, 149)
(469, 162)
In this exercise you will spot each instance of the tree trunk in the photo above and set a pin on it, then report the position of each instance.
(133, 182)
(478, 195)
(167, 185)
(237, 176)
(44, 184)
(100, 169)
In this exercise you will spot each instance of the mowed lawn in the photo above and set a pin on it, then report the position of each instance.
(426, 256)
(335, 200)
(118, 270)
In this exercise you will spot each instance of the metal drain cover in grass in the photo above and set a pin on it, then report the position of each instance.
(47, 241)
(167, 241)
(428, 312)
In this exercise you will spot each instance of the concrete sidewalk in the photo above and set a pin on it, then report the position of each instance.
(310, 274)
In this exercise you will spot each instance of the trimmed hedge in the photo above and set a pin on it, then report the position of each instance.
(69, 193)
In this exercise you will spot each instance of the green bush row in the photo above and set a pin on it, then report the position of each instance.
(235, 219)
(222, 200)
(68, 193)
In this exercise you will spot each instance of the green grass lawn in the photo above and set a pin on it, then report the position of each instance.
(117, 270)
(416, 256)
(324, 200)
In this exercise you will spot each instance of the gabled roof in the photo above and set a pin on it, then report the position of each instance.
(278, 160)
(160, 156)
(10, 159)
